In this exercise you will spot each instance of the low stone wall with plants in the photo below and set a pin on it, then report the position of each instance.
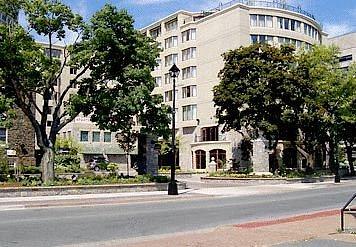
(264, 180)
(252, 178)
(83, 189)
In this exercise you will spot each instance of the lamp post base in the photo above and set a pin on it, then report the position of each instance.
(172, 188)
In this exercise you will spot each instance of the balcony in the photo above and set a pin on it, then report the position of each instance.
(209, 134)
(200, 138)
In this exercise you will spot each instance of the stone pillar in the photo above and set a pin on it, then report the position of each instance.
(207, 160)
(260, 157)
(151, 157)
(212, 165)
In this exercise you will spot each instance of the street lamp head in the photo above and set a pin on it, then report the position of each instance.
(174, 71)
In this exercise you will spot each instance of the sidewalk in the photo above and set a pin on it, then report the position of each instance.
(319, 229)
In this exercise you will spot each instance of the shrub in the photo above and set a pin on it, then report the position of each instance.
(112, 167)
(67, 163)
(30, 170)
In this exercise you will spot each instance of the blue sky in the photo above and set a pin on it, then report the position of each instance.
(336, 16)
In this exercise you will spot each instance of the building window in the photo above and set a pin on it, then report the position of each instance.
(286, 23)
(55, 52)
(96, 136)
(189, 35)
(189, 112)
(220, 157)
(168, 95)
(69, 133)
(107, 136)
(210, 134)
(168, 79)
(156, 32)
(3, 135)
(49, 123)
(261, 39)
(289, 24)
(73, 71)
(292, 25)
(189, 72)
(189, 53)
(298, 26)
(261, 21)
(158, 65)
(200, 159)
(171, 42)
(84, 136)
(288, 41)
(158, 81)
(171, 25)
(171, 59)
(280, 22)
(189, 91)
(253, 20)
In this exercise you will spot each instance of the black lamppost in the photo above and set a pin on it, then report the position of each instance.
(172, 186)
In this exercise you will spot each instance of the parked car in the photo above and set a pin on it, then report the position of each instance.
(98, 163)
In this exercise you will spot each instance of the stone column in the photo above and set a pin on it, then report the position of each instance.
(151, 157)
(260, 157)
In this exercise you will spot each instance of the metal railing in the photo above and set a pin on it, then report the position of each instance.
(267, 4)
(347, 210)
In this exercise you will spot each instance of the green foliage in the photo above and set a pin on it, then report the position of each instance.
(67, 163)
(68, 145)
(126, 138)
(117, 88)
(298, 97)
(126, 74)
(112, 167)
(230, 174)
(246, 147)
(30, 170)
(261, 88)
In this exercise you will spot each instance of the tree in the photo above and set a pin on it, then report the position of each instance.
(261, 88)
(302, 97)
(112, 58)
(127, 139)
(329, 112)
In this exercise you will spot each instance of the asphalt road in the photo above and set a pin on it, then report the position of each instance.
(73, 225)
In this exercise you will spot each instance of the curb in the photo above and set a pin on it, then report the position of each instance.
(302, 217)
(83, 189)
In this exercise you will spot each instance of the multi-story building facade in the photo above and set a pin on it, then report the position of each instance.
(347, 46)
(19, 140)
(195, 43)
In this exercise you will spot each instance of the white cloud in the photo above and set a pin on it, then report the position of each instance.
(81, 7)
(335, 29)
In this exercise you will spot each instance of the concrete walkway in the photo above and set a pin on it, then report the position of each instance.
(319, 229)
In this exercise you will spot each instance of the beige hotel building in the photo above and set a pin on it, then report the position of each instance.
(195, 43)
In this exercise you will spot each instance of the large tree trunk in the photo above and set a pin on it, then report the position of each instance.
(47, 164)
(349, 157)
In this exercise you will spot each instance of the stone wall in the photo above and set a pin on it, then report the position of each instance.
(21, 138)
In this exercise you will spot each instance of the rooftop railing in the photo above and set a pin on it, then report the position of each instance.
(267, 4)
